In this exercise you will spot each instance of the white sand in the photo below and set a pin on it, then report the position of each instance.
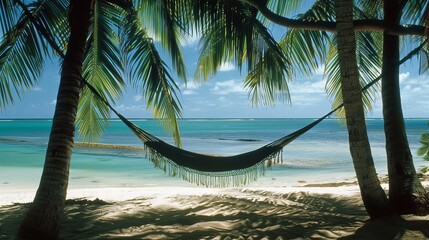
(122, 194)
(203, 213)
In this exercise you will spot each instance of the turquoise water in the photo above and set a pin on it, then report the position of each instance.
(320, 155)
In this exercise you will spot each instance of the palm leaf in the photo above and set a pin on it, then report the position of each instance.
(102, 68)
(415, 11)
(424, 149)
(284, 8)
(22, 52)
(149, 73)
(8, 15)
(307, 49)
(267, 80)
(371, 8)
(231, 32)
(167, 21)
(53, 17)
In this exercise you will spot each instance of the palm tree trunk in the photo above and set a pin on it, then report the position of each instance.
(406, 193)
(373, 196)
(43, 219)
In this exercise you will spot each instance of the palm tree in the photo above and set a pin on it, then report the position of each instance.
(308, 48)
(43, 218)
(406, 192)
(373, 195)
(96, 51)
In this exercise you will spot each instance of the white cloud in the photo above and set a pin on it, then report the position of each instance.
(228, 87)
(191, 85)
(189, 88)
(138, 98)
(37, 89)
(53, 102)
(414, 95)
(225, 67)
(188, 92)
(403, 76)
(132, 108)
(308, 87)
(203, 103)
(194, 109)
(307, 93)
(307, 100)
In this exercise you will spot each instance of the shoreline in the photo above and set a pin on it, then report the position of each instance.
(118, 194)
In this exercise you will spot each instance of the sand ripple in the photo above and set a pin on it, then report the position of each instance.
(246, 214)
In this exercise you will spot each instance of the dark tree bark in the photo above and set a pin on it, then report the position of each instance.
(43, 219)
(373, 196)
(406, 193)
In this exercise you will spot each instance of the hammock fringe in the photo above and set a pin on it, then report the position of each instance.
(222, 179)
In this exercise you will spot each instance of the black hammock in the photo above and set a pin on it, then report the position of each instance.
(215, 170)
(209, 170)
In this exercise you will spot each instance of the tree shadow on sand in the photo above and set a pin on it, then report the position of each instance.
(407, 227)
(248, 215)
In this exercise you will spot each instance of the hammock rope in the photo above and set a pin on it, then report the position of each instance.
(202, 169)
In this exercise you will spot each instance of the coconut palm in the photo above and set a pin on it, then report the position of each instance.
(106, 39)
(406, 192)
(103, 39)
(373, 195)
(308, 48)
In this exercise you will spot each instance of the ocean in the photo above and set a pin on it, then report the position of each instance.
(320, 155)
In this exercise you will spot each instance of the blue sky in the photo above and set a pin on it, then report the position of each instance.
(223, 96)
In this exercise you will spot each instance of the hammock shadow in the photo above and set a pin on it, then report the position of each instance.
(251, 214)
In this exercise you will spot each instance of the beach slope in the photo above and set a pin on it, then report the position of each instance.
(200, 213)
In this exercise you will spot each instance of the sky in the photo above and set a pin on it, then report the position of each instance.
(223, 96)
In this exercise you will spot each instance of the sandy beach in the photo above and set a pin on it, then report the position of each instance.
(316, 212)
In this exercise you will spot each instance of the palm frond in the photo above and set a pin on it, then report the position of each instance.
(424, 149)
(167, 21)
(22, 54)
(53, 17)
(284, 8)
(227, 31)
(307, 49)
(149, 73)
(372, 8)
(231, 32)
(103, 69)
(270, 70)
(368, 51)
(414, 12)
(8, 15)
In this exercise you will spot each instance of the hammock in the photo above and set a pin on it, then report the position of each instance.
(209, 170)
(213, 170)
